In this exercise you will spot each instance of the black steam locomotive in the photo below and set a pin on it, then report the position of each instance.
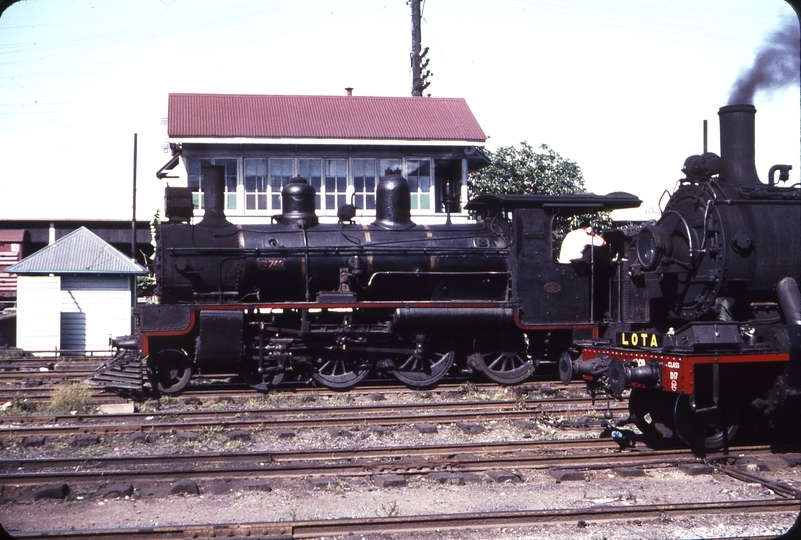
(333, 302)
(710, 331)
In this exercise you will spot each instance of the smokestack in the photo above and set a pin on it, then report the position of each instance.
(213, 184)
(737, 146)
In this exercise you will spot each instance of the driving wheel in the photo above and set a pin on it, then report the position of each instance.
(503, 361)
(426, 366)
(340, 370)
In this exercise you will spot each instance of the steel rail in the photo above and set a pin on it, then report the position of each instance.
(342, 463)
(297, 530)
(415, 408)
(267, 419)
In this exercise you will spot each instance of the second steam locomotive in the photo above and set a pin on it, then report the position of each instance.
(710, 334)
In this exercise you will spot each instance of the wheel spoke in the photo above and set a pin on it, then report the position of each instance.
(503, 360)
(424, 369)
(340, 370)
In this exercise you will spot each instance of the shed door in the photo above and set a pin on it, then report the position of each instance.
(94, 308)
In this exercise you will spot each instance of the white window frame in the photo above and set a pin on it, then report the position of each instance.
(272, 194)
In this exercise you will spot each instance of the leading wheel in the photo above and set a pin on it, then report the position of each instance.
(652, 413)
(339, 370)
(426, 366)
(169, 371)
(503, 361)
(710, 430)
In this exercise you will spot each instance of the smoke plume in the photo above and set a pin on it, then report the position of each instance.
(776, 66)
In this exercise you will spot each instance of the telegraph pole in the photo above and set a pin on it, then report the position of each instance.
(419, 62)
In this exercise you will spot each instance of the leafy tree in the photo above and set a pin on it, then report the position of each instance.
(527, 170)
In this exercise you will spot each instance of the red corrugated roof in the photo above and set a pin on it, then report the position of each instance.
(322, 117)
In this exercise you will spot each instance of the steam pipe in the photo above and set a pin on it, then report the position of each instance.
(789, 300)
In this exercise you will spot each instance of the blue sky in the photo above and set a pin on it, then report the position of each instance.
(621, 87)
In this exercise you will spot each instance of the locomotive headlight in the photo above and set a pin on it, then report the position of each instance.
(651, 246)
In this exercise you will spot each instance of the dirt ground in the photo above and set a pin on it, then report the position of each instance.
(296, 501)
(287, 500)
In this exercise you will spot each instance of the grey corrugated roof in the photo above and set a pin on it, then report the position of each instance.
(326, 117)
(79, 252)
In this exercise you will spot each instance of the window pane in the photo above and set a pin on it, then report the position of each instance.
(194, 178)
(255, 175)
(280, 175)
(310, 170)
(388, 164)
(193, 166)
(370, 202)
(250, 202)
(418, 173)
(363, 180)
(336, 181)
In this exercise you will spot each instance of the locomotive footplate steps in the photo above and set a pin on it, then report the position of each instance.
(122, 372)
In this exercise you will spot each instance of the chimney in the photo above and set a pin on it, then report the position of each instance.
(737, 146)
(349, 90)
(213, 184)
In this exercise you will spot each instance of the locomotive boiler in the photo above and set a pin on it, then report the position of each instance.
(332, 303)
(710, 331)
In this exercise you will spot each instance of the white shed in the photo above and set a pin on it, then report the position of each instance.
(73, 295)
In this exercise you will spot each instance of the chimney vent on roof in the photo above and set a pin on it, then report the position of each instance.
(349, 90)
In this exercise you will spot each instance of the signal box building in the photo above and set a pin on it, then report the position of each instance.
(73, 295)
(341, 144)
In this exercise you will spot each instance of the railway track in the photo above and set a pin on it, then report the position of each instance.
(298, 417)
(481, 456)
(421, 524)
(196, 411)
(85, 475)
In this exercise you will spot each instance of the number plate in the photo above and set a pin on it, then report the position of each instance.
(271, 263)
(639, 339)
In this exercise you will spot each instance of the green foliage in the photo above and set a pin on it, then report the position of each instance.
(146, 285)
(18, 406)
(526, 170)
(71, 397)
